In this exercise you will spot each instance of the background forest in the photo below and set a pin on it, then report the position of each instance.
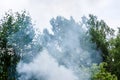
(90, 46)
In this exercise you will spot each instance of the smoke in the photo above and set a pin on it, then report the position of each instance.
(67, 53)
(44, 67)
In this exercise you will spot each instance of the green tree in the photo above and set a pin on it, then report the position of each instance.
(100, 33)
(13, 31)
(114, 56)
(103, 36)
(102, 73)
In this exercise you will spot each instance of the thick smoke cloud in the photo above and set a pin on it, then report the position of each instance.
(44, 67)
(67, 53)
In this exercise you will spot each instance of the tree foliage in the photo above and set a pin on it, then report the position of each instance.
(17, 33)
(114, 56)
(100, 32)
(109, 45)
(11, 41)
(102, 73)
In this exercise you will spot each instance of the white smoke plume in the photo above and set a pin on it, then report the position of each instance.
(44, 67)
(67, 54)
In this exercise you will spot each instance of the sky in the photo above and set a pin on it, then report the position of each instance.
(42, 11)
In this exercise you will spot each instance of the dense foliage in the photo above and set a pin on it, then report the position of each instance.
(16, 33)
(114, 56)
(11, 42)
(109, 45)
(100, 73)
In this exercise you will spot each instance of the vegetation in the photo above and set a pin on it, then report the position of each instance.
(102, 73)
(10, 43)
(109, 45)
(114, 56)
(16, 32)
